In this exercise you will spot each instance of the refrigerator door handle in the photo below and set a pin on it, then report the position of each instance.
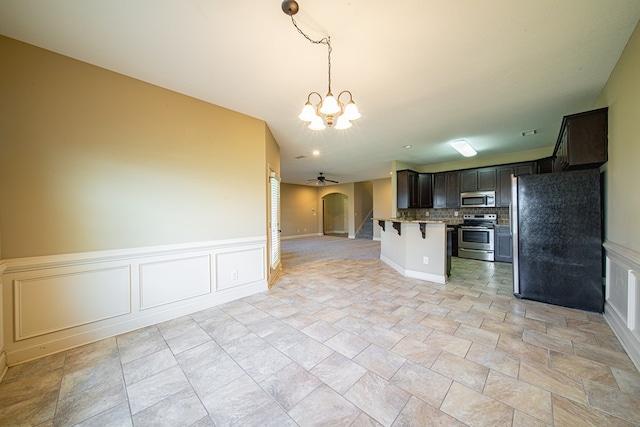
(513, 221)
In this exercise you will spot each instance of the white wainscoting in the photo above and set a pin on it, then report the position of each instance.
(54, 303)
(622, 297)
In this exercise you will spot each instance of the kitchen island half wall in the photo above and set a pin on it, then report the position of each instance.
(416, 249)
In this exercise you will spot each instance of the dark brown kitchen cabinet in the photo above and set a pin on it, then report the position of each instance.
(446, 190)
(583, 141)
(414, 190)
(425, 190)
(407, 189)
(503, 173)
(478, 180)
(503, 244)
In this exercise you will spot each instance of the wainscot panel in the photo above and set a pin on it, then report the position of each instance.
(53, 303)
(622, 297)
(60, 298)
(171, 280)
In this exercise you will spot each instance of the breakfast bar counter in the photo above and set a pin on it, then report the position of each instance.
(414, 248)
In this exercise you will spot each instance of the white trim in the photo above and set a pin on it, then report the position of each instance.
(49, 261)
(622, 296)
(414, 274)
(51, 330)
(298, 236)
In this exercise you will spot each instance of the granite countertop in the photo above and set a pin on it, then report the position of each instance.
(408, 220)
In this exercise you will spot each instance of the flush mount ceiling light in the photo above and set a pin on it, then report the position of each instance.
(329, 109)
(463, 147)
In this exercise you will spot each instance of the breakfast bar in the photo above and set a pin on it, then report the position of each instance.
(415, 248)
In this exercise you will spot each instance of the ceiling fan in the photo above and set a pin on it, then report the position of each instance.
(321, 180)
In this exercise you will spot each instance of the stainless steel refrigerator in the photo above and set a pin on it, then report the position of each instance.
(556, 222)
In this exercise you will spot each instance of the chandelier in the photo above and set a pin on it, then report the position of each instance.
(329, 110)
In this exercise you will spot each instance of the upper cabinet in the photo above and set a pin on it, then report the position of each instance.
(407, 189)
(413, 190)
(478, 180)
(582, 142)
(446, 190)
(503, 190)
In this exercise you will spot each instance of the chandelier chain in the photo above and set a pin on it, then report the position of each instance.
(324, 40)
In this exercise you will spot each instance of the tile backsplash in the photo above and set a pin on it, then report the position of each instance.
(449, 215)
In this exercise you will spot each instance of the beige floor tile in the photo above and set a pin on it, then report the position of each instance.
(417, 351)
(613, 401)
(461, 370)
(502, 328)
(475, 409)
(495, 359)
(419, 413)
(311, 410)
(520, 395)
(290, 385)
(477, 335)
(566, 412)
(376, 396)
(422, 383)
(580, 367)
(347, 344)
(628, 381)
(520, 419)
(379, 360)
(604, 355)
(572, 334)
(553, 381)
(548, 341)
(446, 342)
(523, 350)
(338, 372)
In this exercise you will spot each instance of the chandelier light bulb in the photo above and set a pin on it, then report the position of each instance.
(351, 111)
(317, 123)
(308, 113)
(343, 122)
(329, 105)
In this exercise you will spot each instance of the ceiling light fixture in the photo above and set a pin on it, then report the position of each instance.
(463, 147)
(329, 109)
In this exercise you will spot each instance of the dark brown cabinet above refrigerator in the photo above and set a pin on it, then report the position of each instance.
(582, 142)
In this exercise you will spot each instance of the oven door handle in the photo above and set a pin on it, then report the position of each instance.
(482, 251)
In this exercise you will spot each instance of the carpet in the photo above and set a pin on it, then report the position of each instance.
(309, 249)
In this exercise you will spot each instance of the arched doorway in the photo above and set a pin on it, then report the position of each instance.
(335, 213)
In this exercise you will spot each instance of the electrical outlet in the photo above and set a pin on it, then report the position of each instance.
(425, 260)
(235, 275)
(426, 213)
(455, 213)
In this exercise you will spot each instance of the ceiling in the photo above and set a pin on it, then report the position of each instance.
(422, 72)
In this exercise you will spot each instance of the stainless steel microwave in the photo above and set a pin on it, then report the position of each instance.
(478, 199)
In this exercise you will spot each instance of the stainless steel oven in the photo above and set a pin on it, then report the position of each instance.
(476, 237)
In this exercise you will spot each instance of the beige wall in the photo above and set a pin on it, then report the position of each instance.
(348, 191)
(92, 160)
(622, 172)
(299, 210)
(381, 202)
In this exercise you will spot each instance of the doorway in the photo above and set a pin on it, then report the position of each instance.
(335, 211)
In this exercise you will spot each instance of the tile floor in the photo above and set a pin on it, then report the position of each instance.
(344, 343)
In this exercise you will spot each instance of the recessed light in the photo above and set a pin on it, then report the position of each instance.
(408, 146)
(315, 153)
(529, 132)
(463, 147)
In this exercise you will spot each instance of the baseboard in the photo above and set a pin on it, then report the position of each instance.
(626, 338)
(297, 236)
(113, 292)
(3, 365)
(412, 273)
(622, 296)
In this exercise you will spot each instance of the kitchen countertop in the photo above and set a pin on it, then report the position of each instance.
(409, 220)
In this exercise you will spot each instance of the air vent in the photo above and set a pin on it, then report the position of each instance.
(299, 157)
